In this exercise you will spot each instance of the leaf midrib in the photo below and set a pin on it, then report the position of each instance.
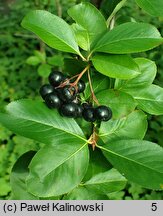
(62, 162)
(146, 99)
(36, 121)
(151, 6)
(127, 39)
(123, 66)
(98, 85)
(117, 129)
(107, 182)
(60, 39)
(129, 159)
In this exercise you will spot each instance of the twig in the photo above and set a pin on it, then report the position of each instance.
(92, 91)
(42, 46)
(59, 8)
(74, 84)
(24, 35)
(80, 75)
(89, 56)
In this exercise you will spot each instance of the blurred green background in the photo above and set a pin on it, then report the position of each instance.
(25, 63)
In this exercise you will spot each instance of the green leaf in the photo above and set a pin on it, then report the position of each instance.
(97, 164)
(74, 66)
(34, 120)
(106, 182)
(132, 126)
(129, 38)
(139, 161)
(153, 7)
(83, 193)
(88, 17)
(116, 9)
(44, 70)
(65, 164)
(5, 188)
(116, 66)
(82, 36)
(121, 103)
(150, 99)
(99, 83)
(57, 60)
(148, 71)
(41, 55)
(86, 126)
(120, 195)
(33, 60)
(53, 30)
(18, 177)
(107, 7)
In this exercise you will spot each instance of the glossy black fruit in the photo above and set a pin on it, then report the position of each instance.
(45, 90)
(89, 114)
(86, 105)
(52, 100)
(103, 113)
(81, 86)
(69, 110)
(56, 78)
(79, 110)
(67, 93)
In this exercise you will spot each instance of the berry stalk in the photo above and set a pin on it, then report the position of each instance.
(92, 91)
(80, 75)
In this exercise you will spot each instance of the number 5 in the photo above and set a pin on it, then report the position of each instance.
(154, 207)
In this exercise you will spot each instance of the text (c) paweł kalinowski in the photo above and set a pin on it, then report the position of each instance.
(24, 207)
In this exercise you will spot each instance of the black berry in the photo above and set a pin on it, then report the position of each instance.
(67, 93)
(56, 78)
(103, 113)
(81, 86)
(52, 100)
(89, 114)
(79, 110)
(69, 110)
(87, 105)
(45, 90)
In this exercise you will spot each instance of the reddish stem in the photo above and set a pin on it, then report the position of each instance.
(67, 81)
(93, 139)
(74, 84)
(80, 75)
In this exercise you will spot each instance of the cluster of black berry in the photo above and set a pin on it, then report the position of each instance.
(62, 94)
